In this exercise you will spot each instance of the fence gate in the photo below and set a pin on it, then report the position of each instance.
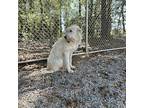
(42, 22)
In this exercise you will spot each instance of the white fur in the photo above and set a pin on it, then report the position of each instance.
(61, 53)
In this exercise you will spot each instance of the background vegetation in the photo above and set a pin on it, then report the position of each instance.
(46, 19)
(41, 22)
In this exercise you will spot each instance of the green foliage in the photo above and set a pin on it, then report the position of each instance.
(43, 19)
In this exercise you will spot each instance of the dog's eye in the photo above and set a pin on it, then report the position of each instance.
(70, 31)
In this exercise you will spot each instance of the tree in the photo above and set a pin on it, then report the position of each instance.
(105, 18)
(122, 13)
(79, 8)
(79, 12)
(90, 19)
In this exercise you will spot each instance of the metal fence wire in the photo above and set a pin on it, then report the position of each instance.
(42, 22)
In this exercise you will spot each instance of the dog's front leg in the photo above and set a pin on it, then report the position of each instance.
(67, 62)
(70, 58)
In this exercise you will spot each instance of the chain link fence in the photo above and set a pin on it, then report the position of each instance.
(42, 22)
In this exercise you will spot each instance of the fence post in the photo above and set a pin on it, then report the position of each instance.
(86, 45)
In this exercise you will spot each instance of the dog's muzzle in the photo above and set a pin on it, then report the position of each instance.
(66, 39)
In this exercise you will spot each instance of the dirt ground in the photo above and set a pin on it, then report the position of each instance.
(98, 82)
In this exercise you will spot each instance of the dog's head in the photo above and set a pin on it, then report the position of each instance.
(73, 34)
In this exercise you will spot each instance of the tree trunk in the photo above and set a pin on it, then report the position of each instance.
(60, 18)
(41, 21)
(93, 22)
(79, 12)
(123, 17)
(93, 18)
(41, 7)
(90, 21)
(105, 18)
(109, 18)
(79, 8)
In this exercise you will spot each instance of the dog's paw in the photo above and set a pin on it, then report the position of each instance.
(70, 71)
(73, 67)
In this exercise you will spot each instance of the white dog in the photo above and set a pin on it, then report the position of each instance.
(61, 54)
